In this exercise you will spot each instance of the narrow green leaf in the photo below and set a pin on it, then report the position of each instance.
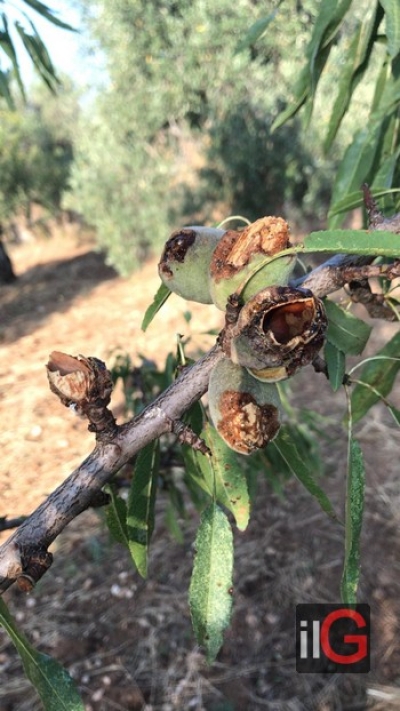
(392, 24)
(353, 522)
(355, 167)
(354, 66)
(48, 14)
(221, 476)
(229, 476)
(116, 518)
(395, 412)
(345, 90)
(52, 682)
(159, 300)
(336, 364)
(195, 417)
(327, 23)
(301, 94)
(38, 54)
(141, 501)
(210, 594)
(256, 31)
(278, 470)
(355, 199)
(384, 176)
(379, 374)
(389, 99)
(375, 243)
(380, 84)
(198, 470)
(287, 450)
(345, 331)
(7, 45)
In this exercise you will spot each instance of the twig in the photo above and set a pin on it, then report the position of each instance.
(343, 269)
(7, 523)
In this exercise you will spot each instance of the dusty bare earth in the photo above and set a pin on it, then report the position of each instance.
(128, 642)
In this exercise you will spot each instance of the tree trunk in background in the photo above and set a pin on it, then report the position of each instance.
(7, 275)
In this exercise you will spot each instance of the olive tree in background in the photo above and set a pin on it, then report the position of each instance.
(33, 163)
(357, 44)
(186, 127)
(181, 131)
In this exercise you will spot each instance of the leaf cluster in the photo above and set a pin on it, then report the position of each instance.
(370, 51)
(17, 23)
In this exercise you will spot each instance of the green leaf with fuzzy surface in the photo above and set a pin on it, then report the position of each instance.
(210, 595)
(378, 243)
(53, 683)
(395, 412)
(353, 524)
(222, 475)
(229, 476)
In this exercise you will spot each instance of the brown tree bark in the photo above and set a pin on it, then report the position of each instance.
(7, 274)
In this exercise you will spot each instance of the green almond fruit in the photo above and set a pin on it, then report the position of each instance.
(245, 411)
(183, 267)
(247, 261)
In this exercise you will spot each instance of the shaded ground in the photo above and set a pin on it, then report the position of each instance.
(128, 642)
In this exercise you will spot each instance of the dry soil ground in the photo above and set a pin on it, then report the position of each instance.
(128, 642)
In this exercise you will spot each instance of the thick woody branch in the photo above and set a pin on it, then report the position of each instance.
(24, 556)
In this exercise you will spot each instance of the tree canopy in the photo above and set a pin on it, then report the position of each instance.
(180, 95)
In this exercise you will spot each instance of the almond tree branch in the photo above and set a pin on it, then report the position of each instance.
(24, 557)
(343, 269)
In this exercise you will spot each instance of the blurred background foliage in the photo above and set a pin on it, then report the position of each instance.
(179, 127)
(186, 121)
(36, 151)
